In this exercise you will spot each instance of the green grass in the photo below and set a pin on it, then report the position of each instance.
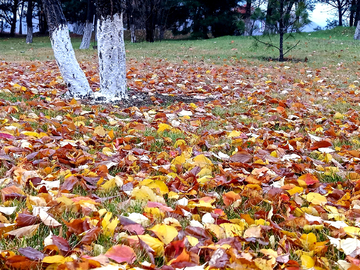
(318, 47)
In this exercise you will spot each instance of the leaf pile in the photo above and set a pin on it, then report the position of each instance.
(263, 176)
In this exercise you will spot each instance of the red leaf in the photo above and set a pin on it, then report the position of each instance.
(62, 244)
(23, 220)
(121, 254)
(6, 136)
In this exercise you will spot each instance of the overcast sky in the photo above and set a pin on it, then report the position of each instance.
(321, 13)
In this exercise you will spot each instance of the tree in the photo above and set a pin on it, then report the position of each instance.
(341, 7)
(14, 9)
(29, 22)
(111, 50)
(74, 77)
(218, 17)
(85, 43)
(285, 17)
(8, 13)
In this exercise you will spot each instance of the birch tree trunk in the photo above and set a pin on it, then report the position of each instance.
(29, 35)
(357, 31)
(85, 43)
(111, 51)
(74, 77)
(133, 33)
(86, 39)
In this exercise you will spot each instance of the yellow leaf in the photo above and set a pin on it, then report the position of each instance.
(179, 143)
(162, 127)
(153, 242)
(234, 133)
(352, 86)
(65, 200)
(216, 230)
(192, 105)
(107, 151)
(79, 123)
(100, 131)
(307, 262)
(315, 198)
(204, 179)
(352, 231)
(58, 259)
(202, 161)
(154, 212)
(143, 194)
(295, 190)
(308, 241)
(158, 185)
(263, 264)
(232, 230)
(192, 240)
(338, 116)
(33, 134)
(205, 172)
(109, 226)
(109, 185)
(173, 195)
(165, 233)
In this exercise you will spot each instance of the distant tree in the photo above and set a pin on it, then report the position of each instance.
(8, 13)
(75, 10)
(14, 9)
(209, 16)
(29, 22)
(285, 17)
(341, 6)
(85, 43)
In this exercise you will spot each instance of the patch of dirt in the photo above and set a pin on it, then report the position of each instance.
(140, 99)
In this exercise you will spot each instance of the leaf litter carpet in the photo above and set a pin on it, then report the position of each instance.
(212, 167)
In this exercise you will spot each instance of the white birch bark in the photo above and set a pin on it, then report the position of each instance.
(132, 33)
(29, 35)
(70, 70)
(357, 32)
(112, 60)
(85, 43)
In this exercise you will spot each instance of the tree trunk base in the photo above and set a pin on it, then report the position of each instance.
(112, 60)
(29, 35)
(357, 31)
(70, 70)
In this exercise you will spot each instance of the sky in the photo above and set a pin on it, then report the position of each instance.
(321, 13)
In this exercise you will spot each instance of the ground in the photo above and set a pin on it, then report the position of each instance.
(227, 161)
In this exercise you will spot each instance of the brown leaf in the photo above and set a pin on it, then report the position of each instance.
(90, 236)
(241, 157)
(24, 231)
(20, 263)
(320, 144)
(31, 253)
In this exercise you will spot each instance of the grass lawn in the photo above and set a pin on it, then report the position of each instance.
(259, 171)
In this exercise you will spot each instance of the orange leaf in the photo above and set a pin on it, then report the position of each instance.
(230, 197)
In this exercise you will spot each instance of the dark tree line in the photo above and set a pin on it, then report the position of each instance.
(201, 18)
